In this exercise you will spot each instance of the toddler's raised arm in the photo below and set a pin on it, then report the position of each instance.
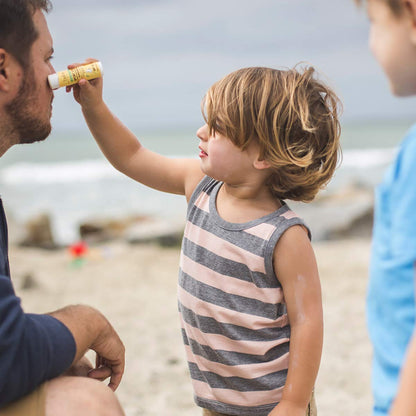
(124, 151)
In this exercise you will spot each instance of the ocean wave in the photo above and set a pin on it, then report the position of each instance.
(367, 158)
(58, 172)
(96, 170)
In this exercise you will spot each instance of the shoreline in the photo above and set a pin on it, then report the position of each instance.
(135, 287)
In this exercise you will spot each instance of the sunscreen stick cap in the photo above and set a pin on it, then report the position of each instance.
(53, 81)
(100, 65)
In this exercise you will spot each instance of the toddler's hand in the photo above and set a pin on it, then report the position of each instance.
(285, 408)
(87, 93)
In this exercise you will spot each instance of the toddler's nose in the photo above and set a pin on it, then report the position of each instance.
(202, 132)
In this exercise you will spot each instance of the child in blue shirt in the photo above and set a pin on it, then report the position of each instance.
(391, 294)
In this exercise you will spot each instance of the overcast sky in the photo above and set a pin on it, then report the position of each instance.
(160, 56)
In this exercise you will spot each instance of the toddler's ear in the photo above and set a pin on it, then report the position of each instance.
(261, 164)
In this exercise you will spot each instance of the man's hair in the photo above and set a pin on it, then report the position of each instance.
(396, 6)
(17, 30)
(290, 114)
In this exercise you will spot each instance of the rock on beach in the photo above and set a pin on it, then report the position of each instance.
(345, 214)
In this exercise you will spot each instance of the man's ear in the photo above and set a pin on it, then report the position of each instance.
(4, 72)
(11, 71)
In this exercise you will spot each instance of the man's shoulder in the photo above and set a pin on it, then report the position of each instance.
(4, 258)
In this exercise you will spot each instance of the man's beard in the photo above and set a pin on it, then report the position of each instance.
(28, 126)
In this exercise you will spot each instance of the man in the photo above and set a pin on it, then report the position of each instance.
(35, 350)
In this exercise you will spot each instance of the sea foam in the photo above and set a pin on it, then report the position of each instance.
(96, 170)
(58, 172)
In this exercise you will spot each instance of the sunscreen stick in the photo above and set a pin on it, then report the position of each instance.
(72, 76)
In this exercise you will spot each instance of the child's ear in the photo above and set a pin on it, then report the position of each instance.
(411, 9)
(261, 164)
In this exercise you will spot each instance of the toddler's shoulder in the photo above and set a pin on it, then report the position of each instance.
(286, 219)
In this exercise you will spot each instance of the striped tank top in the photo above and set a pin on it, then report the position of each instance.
(234, 322)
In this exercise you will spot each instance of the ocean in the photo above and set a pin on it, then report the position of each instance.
(68, 178)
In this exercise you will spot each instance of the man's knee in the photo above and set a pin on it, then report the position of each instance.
(80, 396)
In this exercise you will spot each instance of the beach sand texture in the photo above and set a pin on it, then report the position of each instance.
(135, 287)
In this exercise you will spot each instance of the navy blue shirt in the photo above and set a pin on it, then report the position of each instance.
(33, 348)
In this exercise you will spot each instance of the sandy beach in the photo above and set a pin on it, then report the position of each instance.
(135, 287)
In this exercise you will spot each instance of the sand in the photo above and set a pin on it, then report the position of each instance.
(135, 287)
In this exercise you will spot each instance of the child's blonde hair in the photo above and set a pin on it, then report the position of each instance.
(290, 114)
(396, 6)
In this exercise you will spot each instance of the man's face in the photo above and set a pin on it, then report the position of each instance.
(392, 43)
(31, 110)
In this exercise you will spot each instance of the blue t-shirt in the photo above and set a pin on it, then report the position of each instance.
(391, 294)
(33, 348)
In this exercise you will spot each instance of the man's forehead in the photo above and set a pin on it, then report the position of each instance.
(44, 40)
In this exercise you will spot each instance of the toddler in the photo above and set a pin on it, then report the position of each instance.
(249, 293)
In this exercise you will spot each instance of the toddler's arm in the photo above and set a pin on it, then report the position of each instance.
(296, 269)
(122, 148)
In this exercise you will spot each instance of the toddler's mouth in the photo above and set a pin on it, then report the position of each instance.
(202, 153)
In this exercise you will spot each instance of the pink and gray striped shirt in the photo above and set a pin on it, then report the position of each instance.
(233, 315)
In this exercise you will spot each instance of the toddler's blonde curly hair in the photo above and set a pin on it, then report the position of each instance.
(290, 114)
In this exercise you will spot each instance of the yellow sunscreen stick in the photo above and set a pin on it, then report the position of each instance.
(72, 76)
